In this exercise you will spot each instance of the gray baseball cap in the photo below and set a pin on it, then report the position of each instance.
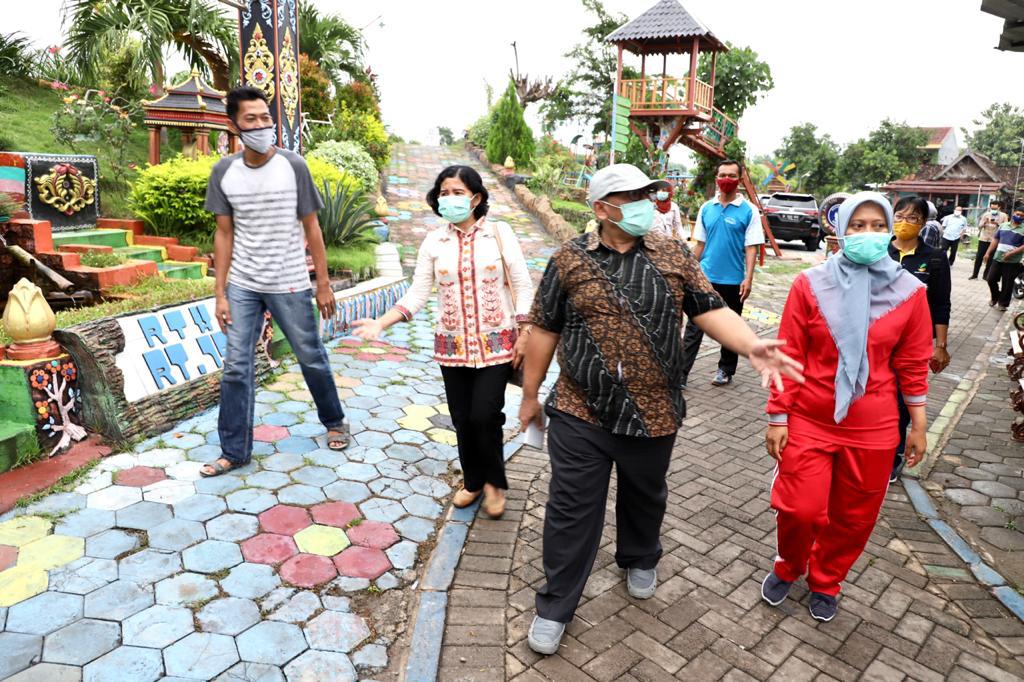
(621, 177)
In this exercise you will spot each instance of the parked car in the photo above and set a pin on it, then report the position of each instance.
(794, 217)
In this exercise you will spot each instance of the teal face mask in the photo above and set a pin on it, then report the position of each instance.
(454, 209)
(637, 217)
(867, 247)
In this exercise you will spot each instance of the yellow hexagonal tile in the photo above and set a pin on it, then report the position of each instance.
(23, 530)
(443, 436)
(322, 540)
(21, 582)
(373, 350)
(281, 386)
(422, 411)
(51, 552)
(344, 393)
(414, 423)
(443, 409)
(290, 376)
(301, 394)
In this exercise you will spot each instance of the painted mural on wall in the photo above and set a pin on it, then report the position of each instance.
(374, 300)
(54, 385)
(61, 188)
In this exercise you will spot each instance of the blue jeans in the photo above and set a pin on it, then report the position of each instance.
(293, 313)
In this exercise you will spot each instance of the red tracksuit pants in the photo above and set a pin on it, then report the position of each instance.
(827, 498)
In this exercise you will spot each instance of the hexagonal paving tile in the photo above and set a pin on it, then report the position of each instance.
(297, 444)
(20, 651)
(250, 501)
(110, 544)
(283, 462)
(23, 530)
(44, 613)
(337, 514)
(391, 488)
(185, 589)
(139, 476)
(300, 494)
(250, 581)
(405, 453)
(169, 491)
(85, 522)
(271, 643)
(126, 663)
(176, 534)
(355, 471)
(232, 527)
(308, 570)
(322, 540)
(219, 485)
(402, 555)
(199, 508)
(143, 515)
(415, 528)
(284, 520)
(200, 656)
(81, 642)
(433, 487)
(162, 457)
(271, 480)
(149, 566)
(321, 665)
(118, 600)
(379, 509)
(298, 608)
(375, 534)
(50, 552)
(211, 556)
(362, 562)
(315, 476)
(82, 576)
(269, 548)
(334, 631)
(228, 616)
(158, 626)
(347, 491)
(423, 506)
(185, 471)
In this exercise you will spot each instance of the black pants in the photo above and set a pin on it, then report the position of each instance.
(728, 361)
(979, 257)
(904, 423)
(476, 398)
(1000, 281)
(581, 465)
(950, 246)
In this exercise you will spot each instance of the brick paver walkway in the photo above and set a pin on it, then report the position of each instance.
(910, 609)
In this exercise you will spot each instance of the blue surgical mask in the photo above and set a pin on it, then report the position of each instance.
(454, 208)
(637, 217)
(866, 248)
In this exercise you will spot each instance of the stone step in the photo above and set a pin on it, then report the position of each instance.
(16, 441)
(153, 253)
(181, 270)
(113, 238)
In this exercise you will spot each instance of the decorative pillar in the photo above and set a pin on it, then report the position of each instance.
(29, 322)
(203, 140)
(154, 145)
(270, 62)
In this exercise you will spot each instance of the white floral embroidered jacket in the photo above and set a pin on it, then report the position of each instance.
(476, 321)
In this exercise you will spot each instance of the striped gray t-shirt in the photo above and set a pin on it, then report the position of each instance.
(265, 204)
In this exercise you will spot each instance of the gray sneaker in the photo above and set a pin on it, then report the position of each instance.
(774, 589)
(823, 607)
(545, 635)
(641, 582)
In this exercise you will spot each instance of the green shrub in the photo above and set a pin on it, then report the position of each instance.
(316, 89)
(347, 216)
(366, 130)
(481, 129)
(359, 258)
(100, 259)
(323, 171)
(360, 98)
(575, 213)
(350, 158)
(548, 172)
(170, 197)
(16, 58)
(509, 134)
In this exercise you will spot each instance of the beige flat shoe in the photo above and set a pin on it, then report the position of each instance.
(464, 498)
(494, 508)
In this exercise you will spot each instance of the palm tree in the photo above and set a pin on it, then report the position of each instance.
(196, 28)
(332, 42)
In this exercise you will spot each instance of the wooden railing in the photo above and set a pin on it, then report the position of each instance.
(720, 129)
(665, 93)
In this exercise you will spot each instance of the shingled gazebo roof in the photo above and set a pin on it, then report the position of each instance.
(666, 28)
(190, 104)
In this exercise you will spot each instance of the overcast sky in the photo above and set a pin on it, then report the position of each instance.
(841, 65)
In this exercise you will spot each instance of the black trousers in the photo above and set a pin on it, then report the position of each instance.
(950, 246)
(979, 257)
(1000, 281)
(476, 400)
(581, 465)
(693, 337)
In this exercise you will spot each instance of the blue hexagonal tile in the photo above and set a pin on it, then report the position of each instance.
(250, 501)
(199, 508)
(201, 656)
(421, 505)
(211, 556)
(379, 509)
(143, 515)
(149, 565)
(271, 642)
(355, 471)
(218, 485)
(44, 613)
(261, 449)
(269, 397)
(315, 476)
(308, 429)
(402, 555)
(58, 503)
(185, 589)
(283, 462)
(280, 419)
(407, 437)
(250, 581)
(373, 439)
(81, 642)
(232, 527)
(296, 445)
(85, 522)
(405, 453)
(347, 491)
(158, 626)
(271, 480)
(228, 616)
(321, 665)
(294, 406)
(126, 663)
(358, 453)
(390, 488)
(176, 534)
(414, 528)
(301, 495)
(83, 576)
(118, 600)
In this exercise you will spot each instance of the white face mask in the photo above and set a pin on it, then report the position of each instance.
(260, 140)
(661, 195)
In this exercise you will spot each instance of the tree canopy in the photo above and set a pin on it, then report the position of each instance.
(998, 134)
(331, 42)
(889, 152)
(741, 78)
(816, 158)
(509, 135)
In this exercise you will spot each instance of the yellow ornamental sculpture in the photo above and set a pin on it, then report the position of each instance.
(289, 77)
(66, 189)
(259, 64)
(28, 318)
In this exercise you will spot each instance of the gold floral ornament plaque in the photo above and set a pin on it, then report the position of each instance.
(259, 64)
(66, 189)
(289, 78)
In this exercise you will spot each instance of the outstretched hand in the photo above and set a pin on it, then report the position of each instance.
(367, 329)
(772, 364)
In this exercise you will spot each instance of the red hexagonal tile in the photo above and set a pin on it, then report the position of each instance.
(362, 562)
(268, 433)
(268, 548)
(308, 570)
(284, 519)
(337, 514)
(375, 534)
(8, 556)
(140, 476)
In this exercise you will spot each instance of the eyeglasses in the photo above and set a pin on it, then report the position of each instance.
(912, 218)
(632, 195)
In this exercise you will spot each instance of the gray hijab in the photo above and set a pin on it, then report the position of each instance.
(851, 297)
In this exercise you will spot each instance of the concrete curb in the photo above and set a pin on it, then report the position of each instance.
(424, 656)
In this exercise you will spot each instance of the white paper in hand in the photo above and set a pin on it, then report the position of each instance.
(534, 436)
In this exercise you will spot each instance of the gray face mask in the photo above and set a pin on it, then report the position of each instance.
(259, 139)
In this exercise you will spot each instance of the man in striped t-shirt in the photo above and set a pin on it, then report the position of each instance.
(1008, 249)
(266, 206)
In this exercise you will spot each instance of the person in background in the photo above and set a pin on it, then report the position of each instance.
(931, 268)
(859, 324)
(612, 303)
(931, 233)
(1004, 255)
(484, 292)
(667, 219)
(953, 227)
(988, 224)
(728, 234)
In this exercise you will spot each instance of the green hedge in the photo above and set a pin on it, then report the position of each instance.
(352, 159)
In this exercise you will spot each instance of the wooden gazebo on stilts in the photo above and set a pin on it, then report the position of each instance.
(193, 107)
(665, 109)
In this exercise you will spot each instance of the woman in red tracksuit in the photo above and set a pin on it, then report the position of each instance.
(860, 324)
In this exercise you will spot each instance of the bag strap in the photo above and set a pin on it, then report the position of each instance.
(504, 266)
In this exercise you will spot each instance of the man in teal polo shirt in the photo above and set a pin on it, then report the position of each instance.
(728, 233)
